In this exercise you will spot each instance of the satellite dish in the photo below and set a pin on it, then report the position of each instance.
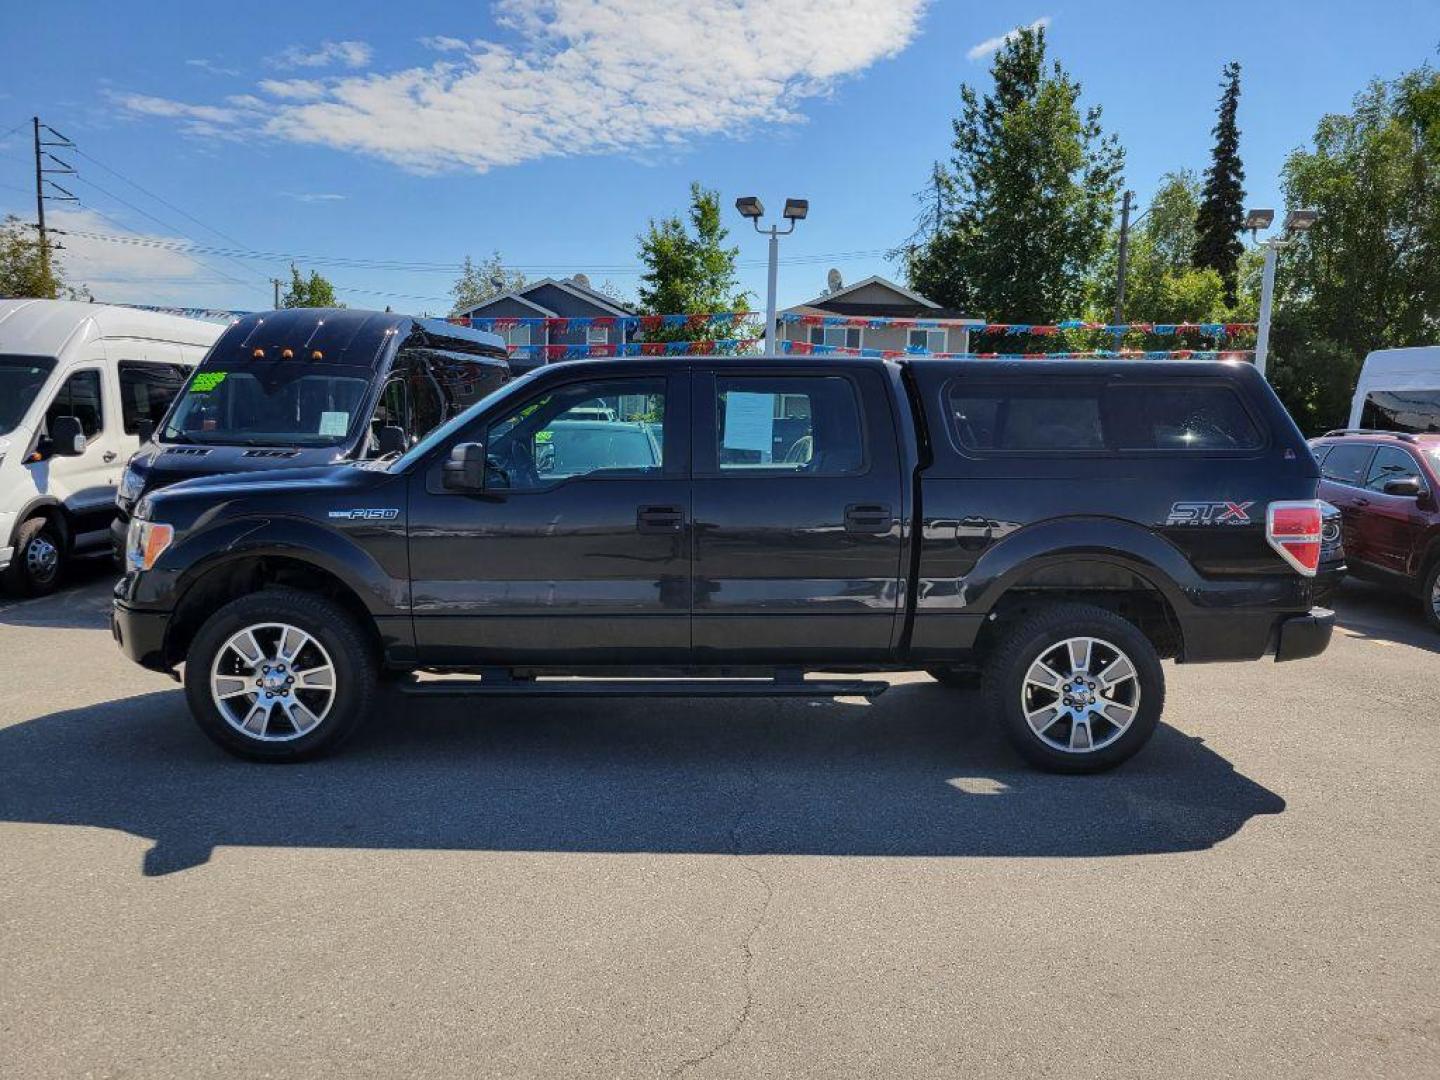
(833, 280)
(582, 280)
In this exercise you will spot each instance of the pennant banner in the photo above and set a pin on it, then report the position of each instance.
(1208, 329)
(704, 347)
(802, 348)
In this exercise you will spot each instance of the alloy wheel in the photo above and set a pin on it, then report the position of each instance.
(273, 682)
(1080, 695)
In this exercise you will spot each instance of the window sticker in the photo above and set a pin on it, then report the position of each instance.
(750, 422)
(205, 381)
(334, 423)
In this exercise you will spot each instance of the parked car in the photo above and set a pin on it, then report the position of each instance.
(1060, 527)
(1398, 390)
(312, 386)
(78, 383)
(1385, 485)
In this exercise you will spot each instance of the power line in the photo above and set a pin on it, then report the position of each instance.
(162, 201)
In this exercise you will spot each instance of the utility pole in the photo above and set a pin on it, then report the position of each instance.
(42, 172)
(275, 281)
(1123, 259)
(40, 203)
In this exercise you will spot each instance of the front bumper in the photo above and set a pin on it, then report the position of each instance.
(140, 635)
(1304, 635)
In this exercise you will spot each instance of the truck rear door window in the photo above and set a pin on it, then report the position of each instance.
(807, 425)
(1083, 416)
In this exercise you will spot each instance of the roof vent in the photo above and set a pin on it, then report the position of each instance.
(583, 280)
(188, 451)
(834, 281)
(271, 452)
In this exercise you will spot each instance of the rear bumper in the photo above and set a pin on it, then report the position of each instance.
(140, 635)
(1301, 636)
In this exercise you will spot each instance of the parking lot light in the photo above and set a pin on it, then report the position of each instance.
(795, 210)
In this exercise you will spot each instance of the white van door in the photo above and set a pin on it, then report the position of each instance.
(84, 485)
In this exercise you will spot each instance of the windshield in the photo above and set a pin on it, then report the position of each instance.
(455, 423)
(21, 378)
(284, 407)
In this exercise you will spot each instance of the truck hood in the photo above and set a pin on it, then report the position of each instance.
(321, 481)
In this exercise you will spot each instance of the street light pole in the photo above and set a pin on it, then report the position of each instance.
(771, 336)
(795, 210)
(1267, 297)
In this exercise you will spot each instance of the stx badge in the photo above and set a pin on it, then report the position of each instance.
(1210, 513)
(370, 515)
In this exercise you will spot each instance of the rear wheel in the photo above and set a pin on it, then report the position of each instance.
(280, 676)
(38, 559)
(1430, 595)
(1078, 688)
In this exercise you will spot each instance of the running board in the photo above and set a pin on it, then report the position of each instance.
(491, 686)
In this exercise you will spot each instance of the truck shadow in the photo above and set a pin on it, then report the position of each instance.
(920, 773)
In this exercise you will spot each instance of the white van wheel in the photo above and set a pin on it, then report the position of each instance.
(38, 559)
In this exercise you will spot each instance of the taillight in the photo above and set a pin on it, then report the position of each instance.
(1293, 529)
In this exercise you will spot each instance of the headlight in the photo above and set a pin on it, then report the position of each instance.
(131, 484)
(145, 542)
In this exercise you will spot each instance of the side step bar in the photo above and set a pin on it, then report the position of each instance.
(504, 686)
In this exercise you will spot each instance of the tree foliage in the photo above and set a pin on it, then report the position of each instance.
(688, 268)
(314, 291)
(479, 281)
(1367, 274)
(1221, 212)
(1032, 184)
(24, 271)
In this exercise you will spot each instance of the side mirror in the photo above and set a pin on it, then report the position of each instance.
(391, 440)
(1405, 486)
(144, 430)
(465, 469)
(67, 437)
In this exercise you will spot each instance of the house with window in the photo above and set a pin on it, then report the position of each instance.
(550, 298)
(877, 297)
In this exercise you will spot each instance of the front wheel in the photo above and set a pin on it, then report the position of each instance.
(1078, 688)
(38, 559)
(280, 675)
(1430, 595)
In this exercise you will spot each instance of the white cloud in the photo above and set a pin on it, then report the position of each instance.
(212, 67)
(441, 43)
(587, 77)
(994, 44)
(294, 89)
(213, 120)
(313, 196)
(351, 54)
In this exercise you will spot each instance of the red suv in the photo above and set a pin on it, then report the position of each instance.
(1385, 485)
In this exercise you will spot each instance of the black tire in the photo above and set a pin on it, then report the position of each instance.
(954, 678)
(351, 655)
(38, 561)
(1044, 631)
(1430, 595)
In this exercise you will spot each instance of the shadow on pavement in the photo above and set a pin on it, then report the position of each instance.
(81, 603)
(1373, 611)
(919, 773)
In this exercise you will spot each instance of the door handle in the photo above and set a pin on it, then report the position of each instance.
(660, 519)
(108, 456)
(1362, 502)
(868, 518)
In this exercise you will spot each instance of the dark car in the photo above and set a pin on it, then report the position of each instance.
(1385, 484)
(1058, 527)
(312, 386)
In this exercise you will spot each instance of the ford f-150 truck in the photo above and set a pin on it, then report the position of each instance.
(723, 526)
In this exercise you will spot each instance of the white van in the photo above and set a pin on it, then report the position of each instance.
(1399, 390)
(79, 384)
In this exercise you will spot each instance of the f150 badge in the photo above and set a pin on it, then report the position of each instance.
(365, 515)
(1210, 513)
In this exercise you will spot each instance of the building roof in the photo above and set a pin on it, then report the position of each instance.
(907, 304)
(590, 296)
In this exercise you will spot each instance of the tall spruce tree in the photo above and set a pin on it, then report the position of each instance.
(1033, 183)
(1222, 200)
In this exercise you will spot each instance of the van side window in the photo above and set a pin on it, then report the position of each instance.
(80, 398)
(1346, 463)
(809, 425)
(1415, 411)
(146, 390)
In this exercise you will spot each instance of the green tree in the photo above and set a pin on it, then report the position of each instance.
(1222, 203)
(479, 281)
(1033, 181)
(689, 270)
(1367, 274)
(26, 271)
(309, 292)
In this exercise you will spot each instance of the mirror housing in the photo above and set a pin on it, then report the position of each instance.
(1408, 487)
(464, 470)
(67, 437)
(144, 430)
(391, 440)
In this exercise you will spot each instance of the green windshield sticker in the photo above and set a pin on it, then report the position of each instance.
(205, 381)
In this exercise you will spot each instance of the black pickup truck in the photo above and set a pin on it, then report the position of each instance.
(689, 526)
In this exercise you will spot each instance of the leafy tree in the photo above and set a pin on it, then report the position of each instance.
(1367, 274)
(689, 270)
(479, 281)
(24, 269)
(309, 292)
(1032, 184)
(1222, 204)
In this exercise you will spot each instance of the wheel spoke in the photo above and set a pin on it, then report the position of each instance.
(1079, 649)
(1117, 671)
(1044, 676)
(229, 686)
(301, 717)
(1041, 720)
(291, 642)
(257, 721)
(1117, 713)
(1080, 734)
(316, 678)
(248, 648)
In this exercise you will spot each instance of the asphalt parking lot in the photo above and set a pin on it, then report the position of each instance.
(706, 888)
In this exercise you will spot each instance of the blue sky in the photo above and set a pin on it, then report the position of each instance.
(552, 130)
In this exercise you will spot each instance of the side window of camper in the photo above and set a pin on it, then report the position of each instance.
(80, 398)
(146, 390)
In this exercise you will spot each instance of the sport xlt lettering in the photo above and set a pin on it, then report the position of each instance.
(732, 524)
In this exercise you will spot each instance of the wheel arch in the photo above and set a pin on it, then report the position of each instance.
(46, 506)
